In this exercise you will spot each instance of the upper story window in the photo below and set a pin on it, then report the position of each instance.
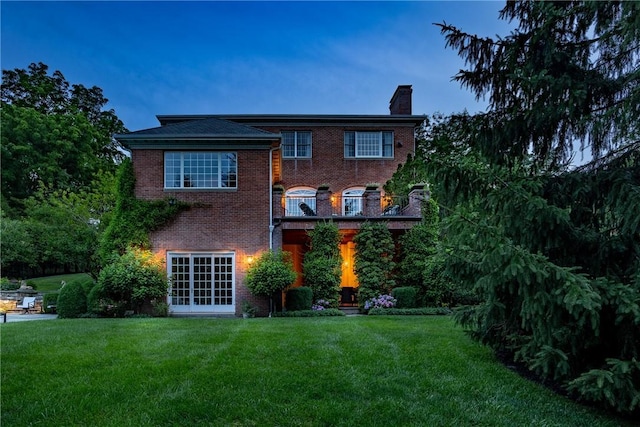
(300, 202)
(368, 144)
(296, 144)
(200, 169)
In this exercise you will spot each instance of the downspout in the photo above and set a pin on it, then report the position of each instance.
(271, 225)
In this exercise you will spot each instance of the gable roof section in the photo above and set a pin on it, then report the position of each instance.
(206, 132)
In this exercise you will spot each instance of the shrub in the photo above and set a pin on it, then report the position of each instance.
(98, 304)
(72, 301)
(299, 298)
(160, 309)
(439, 288)
(321, 304)
(405, 296)
(311, 313)
(248, 309)
(272, 272)
(50, 299)
(422, 311)
(7, 285)
(133, 279)
(381, 301)
(322, 267)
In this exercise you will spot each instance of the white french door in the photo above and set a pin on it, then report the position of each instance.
(202, 282)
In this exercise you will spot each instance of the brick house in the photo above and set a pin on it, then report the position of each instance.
(261, 181)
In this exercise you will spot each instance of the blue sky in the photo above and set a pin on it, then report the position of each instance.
(249, 57)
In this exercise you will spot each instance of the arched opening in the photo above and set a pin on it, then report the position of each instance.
(352, 201)
(300, 201)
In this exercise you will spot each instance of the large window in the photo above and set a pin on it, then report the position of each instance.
(296, 144)
(300, 202)
(368, 144)
(200, 169)
(201, 282)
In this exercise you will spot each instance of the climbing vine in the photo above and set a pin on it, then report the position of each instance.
(133, 219)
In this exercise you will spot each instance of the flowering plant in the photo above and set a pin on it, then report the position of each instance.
(321, 304)
(381, 301)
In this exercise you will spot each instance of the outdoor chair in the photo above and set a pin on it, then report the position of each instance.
(28, 303)
(306, 209)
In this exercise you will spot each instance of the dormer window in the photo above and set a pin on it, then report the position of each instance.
(296, 145)
(368, 144)
(200, 169)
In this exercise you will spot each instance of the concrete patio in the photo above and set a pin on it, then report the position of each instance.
(17, 317)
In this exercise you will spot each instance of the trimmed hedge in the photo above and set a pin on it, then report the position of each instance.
(72, 301)
(311, 313)
(50, 299)
(405, 296)
(424, 311)
(299, 298)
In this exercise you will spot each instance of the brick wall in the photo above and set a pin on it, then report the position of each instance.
(329, 166)
(222, 220)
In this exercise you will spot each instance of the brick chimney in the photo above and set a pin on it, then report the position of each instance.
(401, 100)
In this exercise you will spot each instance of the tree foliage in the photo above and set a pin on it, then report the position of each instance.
(374, 263)
(58, 232)
(53, 133)
(322, 266)
(569, 72)
(553, 250)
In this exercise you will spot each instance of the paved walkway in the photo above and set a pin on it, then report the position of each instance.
(17, 317)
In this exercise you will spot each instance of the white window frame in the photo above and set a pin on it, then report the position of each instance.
(295, 196)
(211, 167)
(352, 201)
(296, 137)
(368, 144)
(201, 286)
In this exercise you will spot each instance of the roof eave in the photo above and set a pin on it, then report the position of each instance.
(128, 137)
(266, 119)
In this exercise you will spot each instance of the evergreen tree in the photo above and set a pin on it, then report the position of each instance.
(374, 260)
(554, 250)
(322, 267)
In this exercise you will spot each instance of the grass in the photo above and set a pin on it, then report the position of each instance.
(54, 283)
(340, 371)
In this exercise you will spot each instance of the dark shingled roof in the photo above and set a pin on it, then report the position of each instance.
(201, 128)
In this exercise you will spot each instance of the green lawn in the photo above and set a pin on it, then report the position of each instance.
(54, 283)
(341, 371)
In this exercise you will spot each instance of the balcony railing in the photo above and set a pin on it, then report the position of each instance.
(300, 206)
(368, 205)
